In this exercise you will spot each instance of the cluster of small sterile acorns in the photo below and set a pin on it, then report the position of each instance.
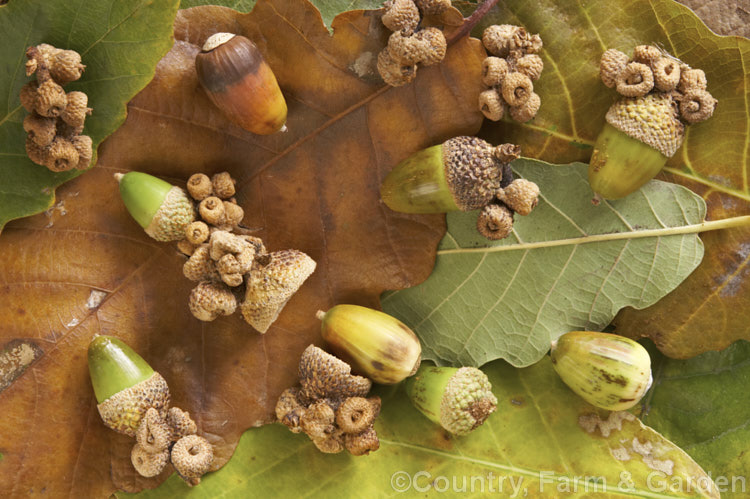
(329, 405)
(651, 70)
(409, 46)
(510, 72)
(56, 119)
(222, 260)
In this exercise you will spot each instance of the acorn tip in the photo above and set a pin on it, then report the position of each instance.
(118, 176)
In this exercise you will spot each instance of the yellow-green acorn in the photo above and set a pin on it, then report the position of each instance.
(124, 384)
(162, 209)
(462, 173)
(641, 133)
(606, 370)
(238, 81)
(458, 399)
(375, 344)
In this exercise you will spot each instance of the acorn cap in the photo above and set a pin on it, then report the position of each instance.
(323, 375)
(163, 210)
(651, 119)
(462, 174)
(124, 384)
(271, 286)
(458, 399)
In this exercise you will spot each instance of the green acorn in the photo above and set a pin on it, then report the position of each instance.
(640, 135)
(462, 173)
(458, 399)
(606, 370)
(162, 209)
(124, 384)
(374, 343)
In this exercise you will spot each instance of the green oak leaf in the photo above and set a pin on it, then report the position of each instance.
(329, 9)
(543, 441)
(567, 266)
(701, 405)
(120, 43)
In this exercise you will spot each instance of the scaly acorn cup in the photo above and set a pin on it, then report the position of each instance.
(377, 345)
(124, 384)
(606, 370)
(458, 399)
(640, 135)
(462, 173)
(238, 81)
(162, 209)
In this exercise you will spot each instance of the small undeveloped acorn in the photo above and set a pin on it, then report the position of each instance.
(494, 70)
(356, 414)
(233, 214)
(289, 410)
(199, 186)
(492, 105)
(124, 384)
(499, 39)
(330, 444)
(363, 443)
(374, 343)
(50, 99)
(197, 233)
(84, 147)
(272, 284)
(666, 73)
(148, 464)
(185, 247)
(646, 54)
(223, 185)
(200, 266)
(62, 155)
(28, 95)
(530, 65)
(36, 153)
(318, 420)
(462, 174)
(692, 79)
(458, 399)
(612, 63)
(211, 210)
(180, 423)
(66, 66)
(436, 45)
(495, 221)
(697, 105)
(209, 300)
(606, 370)
(639, 136)
(163, 210)
(392, 71)
(153, 434)
(635, 80)
(407, 49)
(401, 15)
(323, 375)
(240, 83)
(433, 7)
(76, 110)
(40, 129)
(517, 89)
(191, 457)
(527, 111)
(520, 196)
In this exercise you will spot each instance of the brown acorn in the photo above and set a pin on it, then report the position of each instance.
(240, 83)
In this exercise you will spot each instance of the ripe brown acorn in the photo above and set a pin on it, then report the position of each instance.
(238, 81)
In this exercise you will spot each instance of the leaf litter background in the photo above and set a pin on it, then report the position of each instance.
(310, 188)
(168, 288)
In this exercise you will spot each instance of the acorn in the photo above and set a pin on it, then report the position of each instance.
(458, 399)
(238, 81)
(640, 135)
(462, 173)
(377, 345)
(606, 370)
(124, 384)
(162, 209)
